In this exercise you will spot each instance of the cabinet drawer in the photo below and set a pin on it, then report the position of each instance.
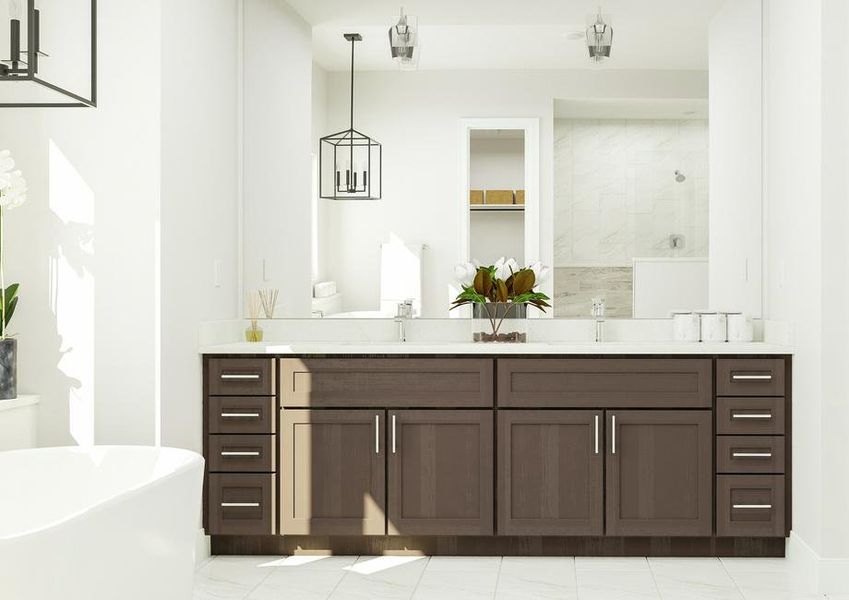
(750, 416)
(750, 505)
(242, 453)
(750, 377)
(242, 504)
(605, 383)
(242, 414)
(750, 454)
(241, 377)
(389, 382)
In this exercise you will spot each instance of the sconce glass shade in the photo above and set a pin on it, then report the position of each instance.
(350, 166)
(599, 39)
(404, 42)
(48, 53)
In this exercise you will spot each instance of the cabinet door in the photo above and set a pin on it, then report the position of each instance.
(333, 472)
(440, 472)
(550, 465)
(659, 473)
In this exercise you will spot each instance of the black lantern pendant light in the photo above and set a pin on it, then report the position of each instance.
(29, 77)
(350, 162)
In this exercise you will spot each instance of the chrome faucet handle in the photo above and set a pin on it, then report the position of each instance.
(598, 308)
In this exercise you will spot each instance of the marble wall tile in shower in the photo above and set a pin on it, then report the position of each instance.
(575, 287)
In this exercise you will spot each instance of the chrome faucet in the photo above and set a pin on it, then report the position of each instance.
(403, 312)
(598, 315)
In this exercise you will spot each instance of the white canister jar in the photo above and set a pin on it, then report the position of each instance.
(740, 327)
(713, 326)
(685, 326)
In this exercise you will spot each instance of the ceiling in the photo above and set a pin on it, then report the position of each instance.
(513, 34)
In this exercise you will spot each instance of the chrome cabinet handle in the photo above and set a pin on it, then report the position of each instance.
(253, 415)
(239, 376)
(613, 437)
(240, 505)
(751, 454)
(751, 415)
(751, 377)
(377, 434)
(393, 434)
(239, 453)
(751, 506)
(595, 446)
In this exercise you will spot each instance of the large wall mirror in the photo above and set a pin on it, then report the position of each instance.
(637, 180)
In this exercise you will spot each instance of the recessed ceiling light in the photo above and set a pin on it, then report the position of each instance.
(574, 36)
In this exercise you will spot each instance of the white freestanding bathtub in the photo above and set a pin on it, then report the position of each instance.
(100, 523)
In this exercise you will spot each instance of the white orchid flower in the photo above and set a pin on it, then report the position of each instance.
(6, 162)
(541, 272)
(465, 273)
(13, 189)
(505, 267)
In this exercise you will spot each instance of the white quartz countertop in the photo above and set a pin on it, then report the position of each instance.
(554, 348)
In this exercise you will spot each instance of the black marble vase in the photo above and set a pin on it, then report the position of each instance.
(8, 369)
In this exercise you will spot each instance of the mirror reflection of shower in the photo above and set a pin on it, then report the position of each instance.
(679, 176)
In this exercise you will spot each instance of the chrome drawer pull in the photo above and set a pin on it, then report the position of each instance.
(751, 506)
(234, 453)
(751, 415)
(246, 376)
(613, 430)
(240, 415)
(751, 454)
(751, 377)
(595, 446)
(240, 505)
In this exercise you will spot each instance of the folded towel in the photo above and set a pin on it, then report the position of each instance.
(324, 289)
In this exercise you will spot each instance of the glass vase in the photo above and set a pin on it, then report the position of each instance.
(500, 322)
(253, 333)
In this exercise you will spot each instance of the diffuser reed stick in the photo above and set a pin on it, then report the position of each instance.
(269, 301)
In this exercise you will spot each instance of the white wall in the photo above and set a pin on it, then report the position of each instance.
(735, 157)
(497, 164)
(84, 246)
(806, 219)
(277, 153)
(199, 198)
(415, 115)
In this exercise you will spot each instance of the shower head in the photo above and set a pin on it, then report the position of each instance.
(679, 176)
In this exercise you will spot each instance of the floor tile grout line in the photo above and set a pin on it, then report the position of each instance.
(497, 577)
(654, 579)
(254, 588)
(732, 578)
(419, 580)
(344, 575)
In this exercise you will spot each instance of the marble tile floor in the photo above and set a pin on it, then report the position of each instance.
(496, 578)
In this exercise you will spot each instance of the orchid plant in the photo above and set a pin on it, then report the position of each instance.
(505, 282)
(13, 193)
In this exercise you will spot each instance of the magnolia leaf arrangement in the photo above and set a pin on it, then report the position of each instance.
(13, 193)
(505, 282)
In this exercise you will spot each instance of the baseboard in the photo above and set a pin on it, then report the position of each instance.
(203, 548)
(821, 575)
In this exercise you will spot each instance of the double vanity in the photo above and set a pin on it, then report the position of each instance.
(523, 449)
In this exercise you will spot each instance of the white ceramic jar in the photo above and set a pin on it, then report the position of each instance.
(713, 326)
(740, 327)
(685, 326)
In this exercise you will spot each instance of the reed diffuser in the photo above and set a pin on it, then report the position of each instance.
(268, 298)
(253, 303)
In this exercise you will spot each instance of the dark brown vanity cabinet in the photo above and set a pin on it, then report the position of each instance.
(550, 472)
(451, 455)
(333, 472)
(440, 472)
(659, 473)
